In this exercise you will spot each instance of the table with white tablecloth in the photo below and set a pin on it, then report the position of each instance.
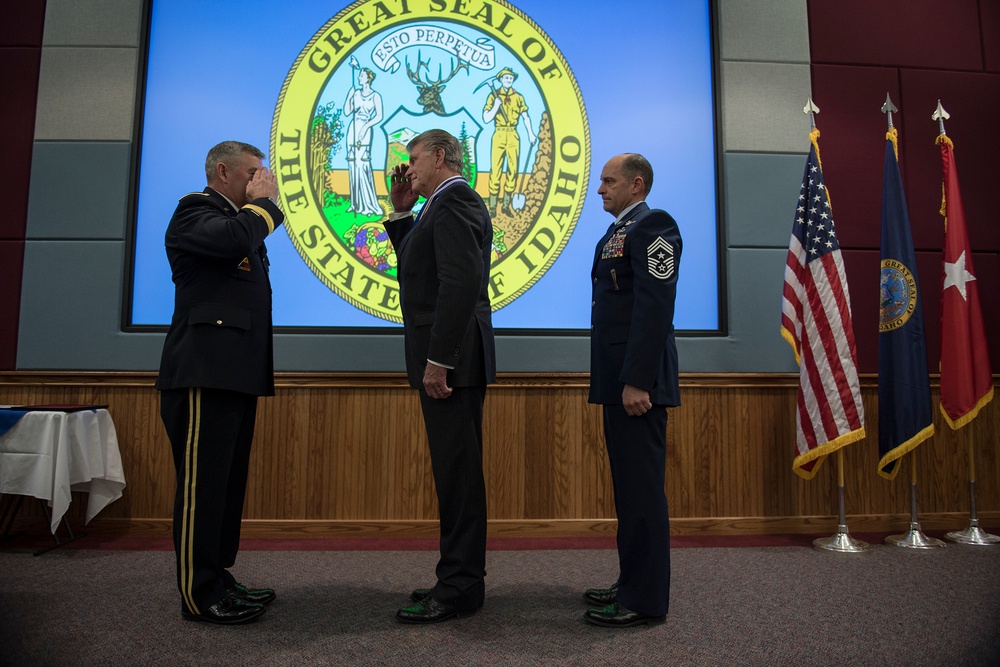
(48, 453)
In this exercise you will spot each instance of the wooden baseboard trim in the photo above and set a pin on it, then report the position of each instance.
(989, 521)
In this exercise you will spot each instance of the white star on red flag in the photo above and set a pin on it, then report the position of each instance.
(956, 276)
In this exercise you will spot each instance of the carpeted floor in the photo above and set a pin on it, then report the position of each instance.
(782, 605)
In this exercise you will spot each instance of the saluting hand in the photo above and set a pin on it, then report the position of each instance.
(400, 192)
(263, 183)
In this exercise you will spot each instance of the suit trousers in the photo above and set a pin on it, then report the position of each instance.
(637, 449)
(455, 436)
(210, 433)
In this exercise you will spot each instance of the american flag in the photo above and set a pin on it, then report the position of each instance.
(816, 322)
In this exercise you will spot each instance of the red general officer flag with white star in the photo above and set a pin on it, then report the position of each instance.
(966, 378)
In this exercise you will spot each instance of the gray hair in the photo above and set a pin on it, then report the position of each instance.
(431, 140)
(230, 153)
(636, 165)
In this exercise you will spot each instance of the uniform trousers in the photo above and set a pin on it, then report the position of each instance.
(210, 432)
(455, 436)
(637, 449)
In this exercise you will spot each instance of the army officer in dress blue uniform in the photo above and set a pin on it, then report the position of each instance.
(633, 375)
(217, 359)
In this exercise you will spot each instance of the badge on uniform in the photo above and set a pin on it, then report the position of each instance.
(245, 264)
(660, 258)
(615, 247)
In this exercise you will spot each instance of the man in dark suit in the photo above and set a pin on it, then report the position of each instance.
(217, 359)
(444, 266)
(633, 375)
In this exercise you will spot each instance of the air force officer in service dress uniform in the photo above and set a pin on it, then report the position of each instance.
(633, 375)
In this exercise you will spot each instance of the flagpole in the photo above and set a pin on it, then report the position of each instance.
(973, 534)
(842, 542)
(914, 539)
(852, 412)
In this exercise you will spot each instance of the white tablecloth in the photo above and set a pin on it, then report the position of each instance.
(49, 454)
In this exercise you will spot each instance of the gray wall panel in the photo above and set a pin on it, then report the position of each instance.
(92, 22)
(764, 30)
(756, 280)
(762, 107)
(70, 309)
(92, 204)
(761, 193)
(86, 94)
(314, 352)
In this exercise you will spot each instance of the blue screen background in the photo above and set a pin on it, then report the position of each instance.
(215, 70)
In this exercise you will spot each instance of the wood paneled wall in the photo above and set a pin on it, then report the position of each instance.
(339, 454)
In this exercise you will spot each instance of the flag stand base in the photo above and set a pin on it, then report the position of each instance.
(972, 535)
(842, 543)
(914, 539)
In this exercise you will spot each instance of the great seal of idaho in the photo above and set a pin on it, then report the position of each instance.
(379, 73)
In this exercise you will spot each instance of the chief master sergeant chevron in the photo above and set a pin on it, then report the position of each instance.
(633, 375)
(217, 359)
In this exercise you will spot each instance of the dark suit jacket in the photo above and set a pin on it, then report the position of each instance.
(634, 284)
(220, 333)
(444, 271)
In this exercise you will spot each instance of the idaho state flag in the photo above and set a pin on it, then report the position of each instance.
(904, 389)
(966, 380)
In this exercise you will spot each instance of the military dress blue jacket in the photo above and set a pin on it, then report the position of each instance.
(634, 280)
(220, 333)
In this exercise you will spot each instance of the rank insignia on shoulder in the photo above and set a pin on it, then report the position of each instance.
(245, 264)
(615, 247)
(660, 258)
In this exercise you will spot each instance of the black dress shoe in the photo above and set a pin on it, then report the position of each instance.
(617, 616)
(601, 596)
(427, 611)
(420, 593)
(227, 611)
(252, 595)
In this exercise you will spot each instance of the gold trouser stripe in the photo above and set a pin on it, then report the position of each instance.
(190, 483)
(262, 212)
